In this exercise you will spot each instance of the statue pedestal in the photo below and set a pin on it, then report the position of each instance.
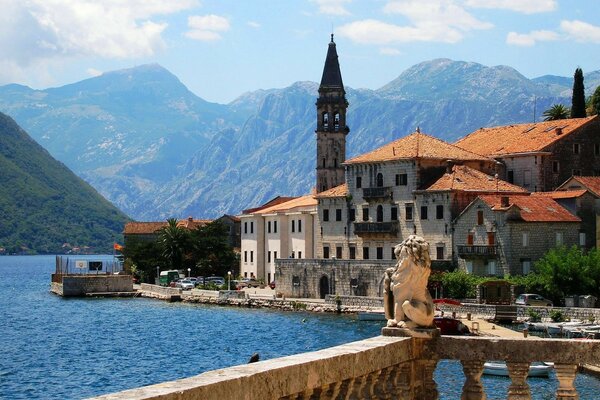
(421, 333)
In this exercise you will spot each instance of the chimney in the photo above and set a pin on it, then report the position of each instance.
(559, 131)
(449, 165)
(190, 219)
(504, 202)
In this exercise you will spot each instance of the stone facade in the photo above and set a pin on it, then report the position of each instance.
(80, 285)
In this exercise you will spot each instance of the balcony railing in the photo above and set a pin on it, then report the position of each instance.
(377, 193)
(382, 367)
(365, 228)
(479, 250)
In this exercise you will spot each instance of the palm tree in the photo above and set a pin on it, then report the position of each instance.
(173, 240)
(557, 111)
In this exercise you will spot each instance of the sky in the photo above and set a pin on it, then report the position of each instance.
(221, 49)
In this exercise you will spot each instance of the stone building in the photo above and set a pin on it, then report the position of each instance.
(540, 156)
(233, 225)
(497, 235)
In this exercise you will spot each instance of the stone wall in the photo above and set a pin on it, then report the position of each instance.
(317, 278)
(79, 285)
(160, 292)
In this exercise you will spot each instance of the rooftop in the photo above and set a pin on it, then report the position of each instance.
(562, 194)
(417, 145)
(532, 208)
(338, 191)
(464, 178)
(270, 203)
(295, 204)
(145, 228)
(591, 183)
(520, 138)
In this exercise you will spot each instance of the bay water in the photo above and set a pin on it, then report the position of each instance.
(72, 348)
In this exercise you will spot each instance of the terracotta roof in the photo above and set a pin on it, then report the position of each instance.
(147, 228)
(299, 202)
(272, 202)
(562, 194)
(520, 138)
(338, 191)
(591, 183)
(416, 145)
(468, 179)
(533, 208)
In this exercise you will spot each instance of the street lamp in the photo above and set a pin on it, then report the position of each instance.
(157, 275)
(228, 280)
(189, 272)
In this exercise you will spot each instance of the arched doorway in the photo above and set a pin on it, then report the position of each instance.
(323, 286)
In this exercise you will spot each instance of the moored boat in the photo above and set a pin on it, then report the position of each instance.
(499, 368)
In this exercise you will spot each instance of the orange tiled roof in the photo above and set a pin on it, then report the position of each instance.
(146, 228)
(270, 203)
(591, 183)
(562, 194)
(299, 202)
(416, 145)
(520, 138)
(338, 191)
(468, 179)
(533, 208)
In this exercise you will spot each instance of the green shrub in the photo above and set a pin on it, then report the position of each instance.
(534, 316)
(557, 316)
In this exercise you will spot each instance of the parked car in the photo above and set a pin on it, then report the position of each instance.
(532, 299)
(185, 284)
(217, 280)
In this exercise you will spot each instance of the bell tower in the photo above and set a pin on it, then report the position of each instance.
(331, 124)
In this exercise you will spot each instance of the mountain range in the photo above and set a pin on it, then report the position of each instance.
(156, 150)
(44, 207)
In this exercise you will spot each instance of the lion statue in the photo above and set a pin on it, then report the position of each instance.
(407, 301)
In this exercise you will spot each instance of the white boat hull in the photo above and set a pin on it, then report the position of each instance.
(500, 369)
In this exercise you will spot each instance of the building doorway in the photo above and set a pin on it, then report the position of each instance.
(324, 286)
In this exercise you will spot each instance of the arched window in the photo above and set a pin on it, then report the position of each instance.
(335, 162)
(325, 120)
(336, 121)
(379, 179)
(323, 162)
(379, 213)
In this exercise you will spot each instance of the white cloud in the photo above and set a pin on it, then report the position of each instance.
(389, 51)
(581, 31)
(531, 38)
(332, 7)
(93, 72)
(207, 27)
(254, 24)
(430, 21)
(521, 6)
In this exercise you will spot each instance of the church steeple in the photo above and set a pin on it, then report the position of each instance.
(331, 124)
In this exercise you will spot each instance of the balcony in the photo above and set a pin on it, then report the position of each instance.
(382, 367)
(378, 193)
(477, 251)
(368, 228)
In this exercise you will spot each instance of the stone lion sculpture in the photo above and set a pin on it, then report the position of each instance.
(407, 301)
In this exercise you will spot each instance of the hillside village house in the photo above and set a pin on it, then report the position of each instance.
(497, 235)
(540, 156)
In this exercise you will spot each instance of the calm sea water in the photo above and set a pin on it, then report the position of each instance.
(56, 348)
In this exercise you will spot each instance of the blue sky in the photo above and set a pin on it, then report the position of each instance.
(223, 48)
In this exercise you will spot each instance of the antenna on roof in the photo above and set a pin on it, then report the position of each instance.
(418, 129)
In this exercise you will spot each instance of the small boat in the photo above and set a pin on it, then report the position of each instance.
(371, 316)
(499, 368)
(451, 326)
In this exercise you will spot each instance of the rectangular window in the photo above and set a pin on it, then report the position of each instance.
(245, 256)
(293, 225)
(325, 215)
(245, 228)
(245, 274)
(352, 214)
(401, 179)
(365, 214)
(338, 214)
(299, 225)
(274, 226)
(510, 176)
(491, 238)
(559, 238)
(338, 252)
(409, 212)
(252, 256)
(555, 167)
(325, 252)
(352, 253)
(439, 252)
(491, 267)
(358, 182)
(439, 212)
(480, 217)
(394, 211)
(469, 267)
(380, 253)
(269, 257)
(393, 257)
(525, 239)
(299, 254)
(423, 212)
(269, 227)
(582, 239)
(274, 255)
(575, 148)
(251, 227)
(365, 253)
(470, 239)
(526, 265)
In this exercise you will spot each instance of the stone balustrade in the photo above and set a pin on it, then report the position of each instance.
(383, 367)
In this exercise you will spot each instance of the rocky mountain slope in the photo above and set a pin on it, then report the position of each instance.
(156, 150)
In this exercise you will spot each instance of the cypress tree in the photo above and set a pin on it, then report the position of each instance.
(578, 99)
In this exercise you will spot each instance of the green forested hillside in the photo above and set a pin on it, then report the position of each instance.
(44, 207)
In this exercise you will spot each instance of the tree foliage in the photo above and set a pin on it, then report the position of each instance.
(557, 111)
(595, 102)
(578, 99)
